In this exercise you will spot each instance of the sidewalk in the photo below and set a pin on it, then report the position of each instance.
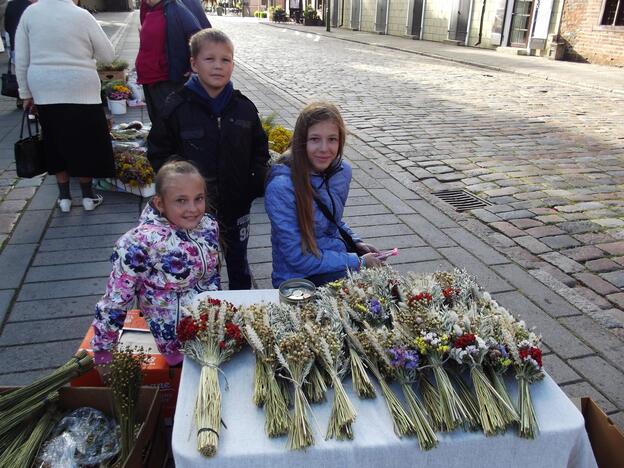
(598, 77)
(55, 265)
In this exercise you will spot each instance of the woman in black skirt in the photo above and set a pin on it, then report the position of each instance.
(56, 47)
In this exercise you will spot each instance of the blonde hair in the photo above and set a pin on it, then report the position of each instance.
(300, 166)
(209, 35)
(173, 168)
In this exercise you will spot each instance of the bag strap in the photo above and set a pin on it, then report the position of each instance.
(26, 120)
(348, 240)
(9, 70)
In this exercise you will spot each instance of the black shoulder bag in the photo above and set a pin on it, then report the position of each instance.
(348, 240)
(29, 157)
(9, 84)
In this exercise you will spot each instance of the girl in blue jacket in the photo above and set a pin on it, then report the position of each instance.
(305, 197)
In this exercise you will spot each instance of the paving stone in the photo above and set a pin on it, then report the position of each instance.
(432, 214)
(608, 345)
(476, 246)
(584, 253)
(54, 308)
(579, 227)
(400, 190)
(532, 244)
(603, 376)
(366, 210)
(36, 356)
(450, 177)
(609, 222)
(602, 265)
(543, 231)
(558, 274)
(24, 193)
(260, 255)
(357, 221)
(87, 231)
(427, 231)
(12, 206)
(552, 303)
(30, 228)
(584, 389)
(579, 207)
(366, 232)
(57, 289)
(485, 215)
(6, 296)
(14, 261)
(618, 420)
(486, 276)
(259, 241)
(596, 283)
(594, 238)
(90, 218)
(18, 379)
(559, 370)
(556, 336)
(507, 228)
(615, 277)
(499, 240)
(508, 215)
(617, 299)
(41, 331)
(430, 266)
(561, 261)
(593, 297)
(401, 242)
(524, 223)
(394, 203)
(415, 254)
(612, 319)
(560, 242)
(68, 271)
(613, 248)
(67, 244)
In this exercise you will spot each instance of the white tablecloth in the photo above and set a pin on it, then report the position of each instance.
(562, 441)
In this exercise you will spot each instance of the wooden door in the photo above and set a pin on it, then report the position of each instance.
(521, 23)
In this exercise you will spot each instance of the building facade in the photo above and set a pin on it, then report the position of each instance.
(530, 27)
(593, 31)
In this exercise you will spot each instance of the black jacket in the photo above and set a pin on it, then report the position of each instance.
(12, 15)
(232, 149)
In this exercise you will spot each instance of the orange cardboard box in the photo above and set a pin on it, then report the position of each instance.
(156, 373)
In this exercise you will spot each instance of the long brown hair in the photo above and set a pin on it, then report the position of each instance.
(300, 166)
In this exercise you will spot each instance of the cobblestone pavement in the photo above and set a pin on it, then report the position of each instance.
(418, 125)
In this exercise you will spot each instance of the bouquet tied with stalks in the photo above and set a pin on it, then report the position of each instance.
(211, 335)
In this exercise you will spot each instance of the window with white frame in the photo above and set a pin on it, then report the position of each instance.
(612, 13)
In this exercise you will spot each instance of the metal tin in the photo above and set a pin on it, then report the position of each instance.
(296, 291)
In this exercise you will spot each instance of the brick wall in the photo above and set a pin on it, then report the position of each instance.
(585, 40)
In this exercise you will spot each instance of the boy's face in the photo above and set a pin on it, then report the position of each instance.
(184, 201)
(214, 65)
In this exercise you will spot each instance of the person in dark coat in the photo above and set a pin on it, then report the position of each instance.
(217, 127)
(12, 15)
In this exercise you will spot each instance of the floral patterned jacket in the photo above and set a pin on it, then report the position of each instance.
(163, 267)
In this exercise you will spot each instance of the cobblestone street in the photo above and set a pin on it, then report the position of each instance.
(547, 156)
(550, 158)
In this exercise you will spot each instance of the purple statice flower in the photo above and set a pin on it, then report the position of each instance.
(400, 357)
(503, 351)
(374, 307)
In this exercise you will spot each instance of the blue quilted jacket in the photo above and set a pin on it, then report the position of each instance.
(289, 261)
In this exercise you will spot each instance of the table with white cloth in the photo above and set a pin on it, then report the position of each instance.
(562, 441)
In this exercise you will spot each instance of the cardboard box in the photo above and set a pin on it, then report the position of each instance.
(101, 398)
(606, 439)
(156, 371)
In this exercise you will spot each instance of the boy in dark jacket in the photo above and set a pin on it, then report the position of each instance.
(218, 128)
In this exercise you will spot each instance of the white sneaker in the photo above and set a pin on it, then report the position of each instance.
(90, 204)
(64, 204)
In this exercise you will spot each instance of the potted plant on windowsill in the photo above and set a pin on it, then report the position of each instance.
(116, 70)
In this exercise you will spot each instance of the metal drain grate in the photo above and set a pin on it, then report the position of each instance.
(461, 200)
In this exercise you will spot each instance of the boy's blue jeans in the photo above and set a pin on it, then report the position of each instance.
(235, 236)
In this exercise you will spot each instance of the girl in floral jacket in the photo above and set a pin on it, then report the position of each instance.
(162, 263)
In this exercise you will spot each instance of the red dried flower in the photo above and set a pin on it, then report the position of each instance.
(187, 329)
(422, 297)
(465, 340)
(532, 352)
(221, 344)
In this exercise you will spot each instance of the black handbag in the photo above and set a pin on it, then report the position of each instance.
(29, 156)
(9, 84)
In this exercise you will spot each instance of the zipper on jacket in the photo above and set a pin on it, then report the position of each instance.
(219, 122)
(177, 311)
(201, 256)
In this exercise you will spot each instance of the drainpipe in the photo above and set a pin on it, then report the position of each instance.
(422, 20)
(341, 13)
(469, 23)
(387, 17)
(532, 28)
(481, 23)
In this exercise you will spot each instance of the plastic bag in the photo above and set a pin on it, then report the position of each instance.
(85, 436)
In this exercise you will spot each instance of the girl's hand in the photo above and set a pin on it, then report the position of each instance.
(364, 248)
(370, 260)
